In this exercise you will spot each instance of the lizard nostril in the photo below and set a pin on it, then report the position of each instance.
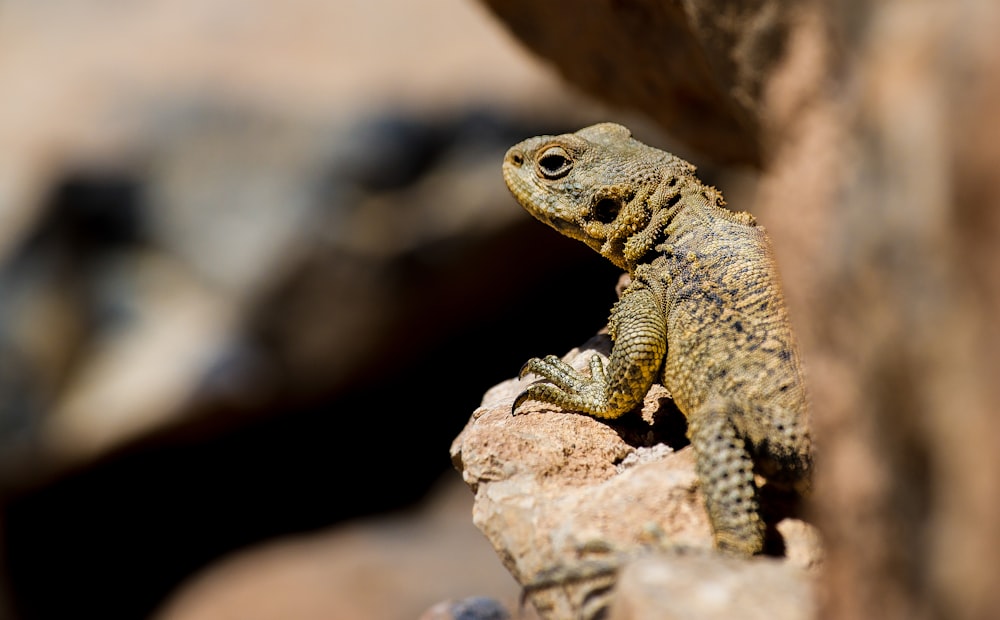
(515, 157)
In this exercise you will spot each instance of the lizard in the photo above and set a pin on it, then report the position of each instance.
(704, 315)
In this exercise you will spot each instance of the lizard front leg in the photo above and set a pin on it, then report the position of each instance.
(638, 330)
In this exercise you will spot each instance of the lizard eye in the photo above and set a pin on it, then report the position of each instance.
(554, 163)
(606, 210)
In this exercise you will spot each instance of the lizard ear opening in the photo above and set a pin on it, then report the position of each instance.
(608, 202)
(554, 162)
(606, 210)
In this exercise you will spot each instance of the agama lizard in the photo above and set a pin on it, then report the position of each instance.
(704, 314)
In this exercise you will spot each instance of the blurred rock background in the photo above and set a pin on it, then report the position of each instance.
(257, 267)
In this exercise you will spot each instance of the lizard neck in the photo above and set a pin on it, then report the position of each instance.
(680, 206)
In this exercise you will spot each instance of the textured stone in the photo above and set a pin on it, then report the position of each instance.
(713, 588)
(558, 492)
(699, 69)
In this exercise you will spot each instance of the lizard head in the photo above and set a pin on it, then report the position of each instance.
(594, 185)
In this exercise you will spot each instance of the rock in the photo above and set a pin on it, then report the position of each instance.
(698, 69)
(712, 588)
(566, 499)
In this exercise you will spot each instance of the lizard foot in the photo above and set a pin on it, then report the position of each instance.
(566, 387)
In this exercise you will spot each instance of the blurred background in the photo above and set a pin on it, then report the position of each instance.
(257, 267)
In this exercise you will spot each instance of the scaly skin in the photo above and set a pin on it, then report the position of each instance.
(704, 314)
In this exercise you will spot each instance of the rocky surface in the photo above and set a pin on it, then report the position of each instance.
(713, 588)
(699, 69)
(558, 492)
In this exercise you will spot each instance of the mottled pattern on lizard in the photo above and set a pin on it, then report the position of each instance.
(704, 314)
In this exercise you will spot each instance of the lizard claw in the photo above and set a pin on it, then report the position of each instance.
(520, 400)
(526, 368)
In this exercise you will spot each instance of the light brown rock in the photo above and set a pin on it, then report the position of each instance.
(712, 588)
(698, 69)
(562, 494)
